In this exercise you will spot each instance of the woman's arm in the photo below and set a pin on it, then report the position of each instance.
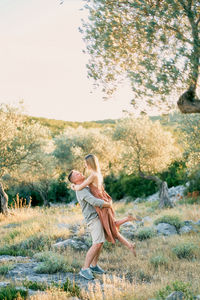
(86, 182)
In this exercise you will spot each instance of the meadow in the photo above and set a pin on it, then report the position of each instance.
(163, 263)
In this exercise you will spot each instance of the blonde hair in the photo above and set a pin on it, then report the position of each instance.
(93, 162)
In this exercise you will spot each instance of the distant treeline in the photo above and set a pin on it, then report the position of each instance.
(57, 126)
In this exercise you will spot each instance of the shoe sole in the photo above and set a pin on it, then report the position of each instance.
(98, 272)
(85, 277)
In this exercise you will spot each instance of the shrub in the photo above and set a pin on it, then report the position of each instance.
(71, 288)
(145, 233)
(5, 268)
(173, 220)
(144, 277)
(37, 242)
(159, 260)
(10, 293)
(185, 250)
(15, 250)
(42, 286)
(177, 286)
(176, 174)
(52, 263)
(128, 185)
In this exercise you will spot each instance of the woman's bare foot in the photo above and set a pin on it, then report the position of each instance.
(131, 217)
(132, 248)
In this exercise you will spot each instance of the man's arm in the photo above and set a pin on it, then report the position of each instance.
(88, 197)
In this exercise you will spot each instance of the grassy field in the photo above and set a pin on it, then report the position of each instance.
(33, 231)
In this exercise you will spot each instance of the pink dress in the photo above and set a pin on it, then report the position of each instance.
(106, 215)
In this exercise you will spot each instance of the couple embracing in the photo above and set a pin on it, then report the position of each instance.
(98, 213)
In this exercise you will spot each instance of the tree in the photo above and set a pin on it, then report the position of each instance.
(20, 141)
(190, 127)
(74, 144)
(153, 43)
(148, 149)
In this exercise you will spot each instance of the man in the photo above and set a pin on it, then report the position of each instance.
(88, 202)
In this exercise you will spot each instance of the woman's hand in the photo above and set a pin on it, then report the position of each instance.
(75, 187)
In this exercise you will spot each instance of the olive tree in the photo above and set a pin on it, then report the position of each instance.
(148, 149)
(153, 43)
(74, 144)
(20, 142)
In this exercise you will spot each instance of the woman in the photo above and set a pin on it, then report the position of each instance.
(106, 215)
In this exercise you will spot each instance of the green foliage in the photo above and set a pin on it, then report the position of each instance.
(173, 220)
(52, 263)
(5, 268)
(128, 185)
(37, 242)
(159, 260)
(10, 293)
(145, 233)
(175, 174)
(177, 286)
(185, 250)
(115, 31)
(33, 285)
(143, 276)
(71, 288)
(57, 126)
(15, 250)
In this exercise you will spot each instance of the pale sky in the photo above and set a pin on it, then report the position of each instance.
(41, 62)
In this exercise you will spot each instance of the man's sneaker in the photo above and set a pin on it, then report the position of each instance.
(87, 274)
(97, 269)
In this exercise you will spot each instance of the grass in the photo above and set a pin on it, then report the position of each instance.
(155, 267)
(172, 220)
(10, 292)
(5, 268)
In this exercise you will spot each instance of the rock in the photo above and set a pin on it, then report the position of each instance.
(197, 297)
(76, 244)
(189, 222)
(4, 284)
(12, 225)
(198, 223)
(128, 230)
(175, 296)
(153, 197)
(165, 229)
(187, 229)
(63, 226)
(8, 258)
(147, 219)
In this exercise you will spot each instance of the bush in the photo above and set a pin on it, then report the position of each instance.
(175, 175)
(128, 185)
(172, 220)
(145, 233)
(32, 285)
(10, 293)
(5, 268)
(194, 185)
(73, 289)
(52, 263)
(159, 260)
(38, 242)
(177, 286)
(186, 250)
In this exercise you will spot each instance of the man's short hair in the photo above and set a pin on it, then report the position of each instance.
(70, 175)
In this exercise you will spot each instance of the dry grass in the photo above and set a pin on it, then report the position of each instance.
(132, 278)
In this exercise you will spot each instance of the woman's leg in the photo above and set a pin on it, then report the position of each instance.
(127, 243)
(130, 217)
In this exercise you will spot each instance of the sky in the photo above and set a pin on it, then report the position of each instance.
(42, 63)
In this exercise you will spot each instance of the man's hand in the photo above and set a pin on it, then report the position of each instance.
(107, 204)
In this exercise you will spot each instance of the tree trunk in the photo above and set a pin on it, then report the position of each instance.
(164, 196)
(164, 200)
(188, 102)
(3, 201)
(45, 199)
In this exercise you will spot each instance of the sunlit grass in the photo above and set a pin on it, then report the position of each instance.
(155, 266)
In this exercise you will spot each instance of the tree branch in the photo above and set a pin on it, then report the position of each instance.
(182, 36)
(197, 22)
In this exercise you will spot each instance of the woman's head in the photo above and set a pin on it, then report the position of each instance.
(92, 162)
